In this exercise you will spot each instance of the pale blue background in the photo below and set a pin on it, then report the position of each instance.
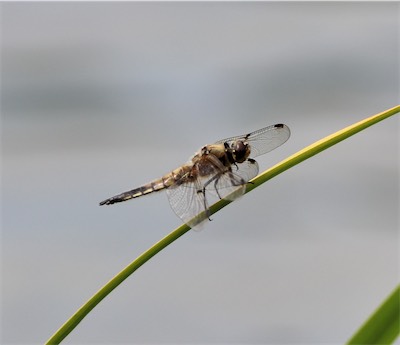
(99, 97)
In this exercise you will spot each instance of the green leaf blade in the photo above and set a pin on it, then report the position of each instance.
(383, 326)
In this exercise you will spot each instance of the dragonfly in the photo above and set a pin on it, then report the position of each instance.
(217, 171)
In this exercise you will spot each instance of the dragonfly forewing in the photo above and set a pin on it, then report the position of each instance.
(263, 140)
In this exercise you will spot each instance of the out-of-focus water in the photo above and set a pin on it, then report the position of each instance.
(101, 97)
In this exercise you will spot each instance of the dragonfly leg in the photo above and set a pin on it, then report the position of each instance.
(214, 178)
(206, 209)
(216, 189)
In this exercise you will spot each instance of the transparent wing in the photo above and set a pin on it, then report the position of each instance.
(246, 170)
(188, 204)
(232, 184)
(263, 140)
(190, 199)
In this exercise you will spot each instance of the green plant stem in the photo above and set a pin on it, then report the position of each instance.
(67, 327)
(293, 160)
(321, 145)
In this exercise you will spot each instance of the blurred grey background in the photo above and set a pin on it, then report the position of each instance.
(98, 98)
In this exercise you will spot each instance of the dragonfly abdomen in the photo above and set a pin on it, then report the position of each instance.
(164, 182)
(151, 187)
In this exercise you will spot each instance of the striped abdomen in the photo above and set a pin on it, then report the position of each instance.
(175, 177)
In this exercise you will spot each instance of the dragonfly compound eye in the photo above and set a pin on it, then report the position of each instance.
(240, 151)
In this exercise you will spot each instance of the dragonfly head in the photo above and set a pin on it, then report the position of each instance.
(240, 151)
